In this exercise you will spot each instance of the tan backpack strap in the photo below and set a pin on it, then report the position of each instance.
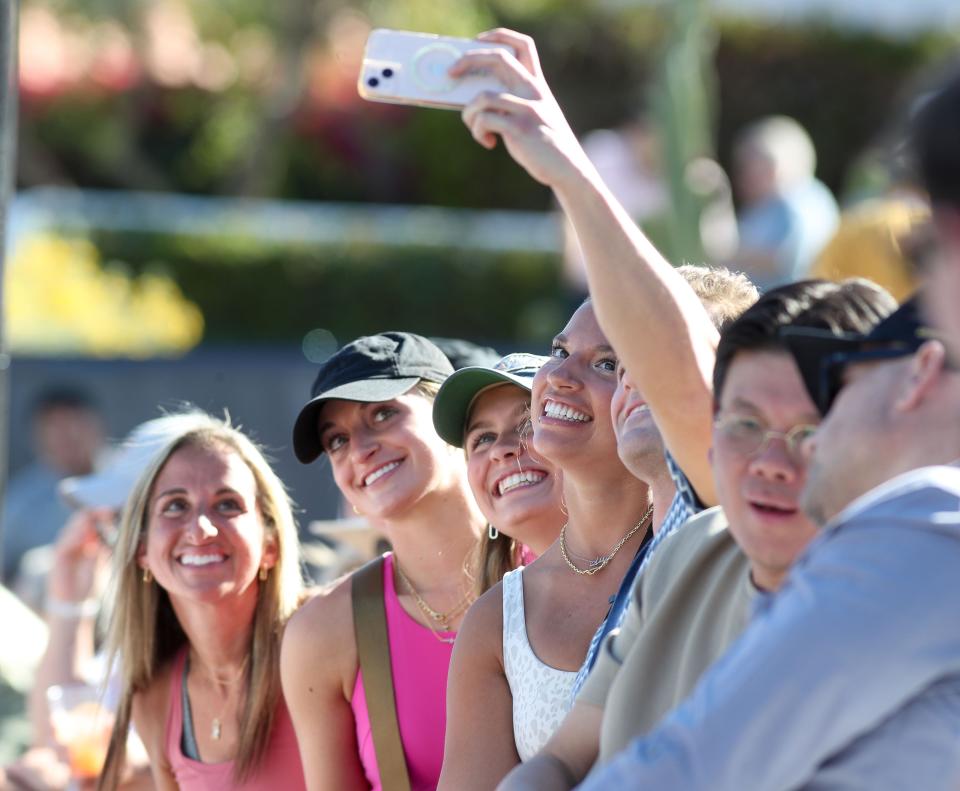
(373, 652)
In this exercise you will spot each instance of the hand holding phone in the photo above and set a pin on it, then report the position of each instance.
(412, 68)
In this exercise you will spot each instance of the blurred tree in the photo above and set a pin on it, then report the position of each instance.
(682, 100)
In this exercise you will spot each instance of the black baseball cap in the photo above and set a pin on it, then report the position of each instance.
(822, 355)
(370, 369)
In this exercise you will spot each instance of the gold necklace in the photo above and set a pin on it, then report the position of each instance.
(216, 726)
(435, 620)
(600, 563)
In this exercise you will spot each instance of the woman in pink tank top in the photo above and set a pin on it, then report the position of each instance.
(207, 572)
(371, 415)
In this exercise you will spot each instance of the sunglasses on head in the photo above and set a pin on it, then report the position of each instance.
(833, 367)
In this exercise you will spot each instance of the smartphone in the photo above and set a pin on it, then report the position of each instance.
(411, 68)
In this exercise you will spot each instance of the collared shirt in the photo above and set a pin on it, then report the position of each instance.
(847, 678)
(678, 513)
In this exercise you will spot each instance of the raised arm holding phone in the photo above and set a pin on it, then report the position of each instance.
(636, 291)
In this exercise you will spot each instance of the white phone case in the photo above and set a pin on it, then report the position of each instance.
(411, 68)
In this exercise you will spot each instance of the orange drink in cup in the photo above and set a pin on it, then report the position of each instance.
(82, 726)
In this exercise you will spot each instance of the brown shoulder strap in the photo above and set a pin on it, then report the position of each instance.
(373, 651)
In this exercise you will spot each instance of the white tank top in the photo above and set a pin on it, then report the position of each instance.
(541, 694)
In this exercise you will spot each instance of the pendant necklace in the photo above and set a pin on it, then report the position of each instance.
(436, 621)
(216, 726)
(598, 563)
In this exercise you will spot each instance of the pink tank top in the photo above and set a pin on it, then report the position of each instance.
(281, 767)
(420, 663)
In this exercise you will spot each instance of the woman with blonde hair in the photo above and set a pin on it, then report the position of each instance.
(206, 572)
(365, 664)
(524, 641)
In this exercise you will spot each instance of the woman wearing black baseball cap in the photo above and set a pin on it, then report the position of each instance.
(385, 634)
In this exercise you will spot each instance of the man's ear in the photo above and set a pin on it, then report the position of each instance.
(923, 373)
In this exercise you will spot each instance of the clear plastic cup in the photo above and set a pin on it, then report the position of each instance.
(82, 726)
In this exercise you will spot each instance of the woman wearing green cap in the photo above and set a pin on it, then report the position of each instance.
(487, 412)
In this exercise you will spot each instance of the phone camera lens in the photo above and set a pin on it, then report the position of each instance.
(373, 82)
(388, 73)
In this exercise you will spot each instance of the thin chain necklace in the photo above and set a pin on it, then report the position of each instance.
(436, 621)
(216, 727)
(599, 563)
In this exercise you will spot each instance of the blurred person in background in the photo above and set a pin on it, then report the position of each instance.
(628, 160)
(490, 694)
(365, 662)
(786, 215)
(67, 436)
(462, 353)
(205, 574)
(935, 132)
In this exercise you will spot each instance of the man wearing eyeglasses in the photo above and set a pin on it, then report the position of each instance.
(850, 676)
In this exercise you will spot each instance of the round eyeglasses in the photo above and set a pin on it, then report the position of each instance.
(748, 436)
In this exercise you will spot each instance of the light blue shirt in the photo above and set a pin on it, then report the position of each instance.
(33, 515)
(792, 227)
(849, 678)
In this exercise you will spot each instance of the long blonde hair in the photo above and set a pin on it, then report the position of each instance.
(144, 633)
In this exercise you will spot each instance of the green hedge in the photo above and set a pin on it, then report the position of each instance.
(278, 293)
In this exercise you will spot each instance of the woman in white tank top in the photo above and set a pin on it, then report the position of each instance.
(522, 643)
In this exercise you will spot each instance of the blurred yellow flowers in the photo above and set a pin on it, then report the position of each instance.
(60, 300)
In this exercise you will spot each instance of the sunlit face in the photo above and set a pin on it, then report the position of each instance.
(760, 491)
(845, 456)
(514, 489)
(570, 406)
(639, 443)
(386, 456)
(205, 537)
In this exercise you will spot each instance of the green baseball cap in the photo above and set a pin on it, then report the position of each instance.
(457, 394)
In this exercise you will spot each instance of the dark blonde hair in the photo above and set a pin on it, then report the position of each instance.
(144, 633)
(724, 293)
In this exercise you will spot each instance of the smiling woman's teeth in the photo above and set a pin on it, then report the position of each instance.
(527, 478)
(561, 412)
(200, 560)
(379, 473)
